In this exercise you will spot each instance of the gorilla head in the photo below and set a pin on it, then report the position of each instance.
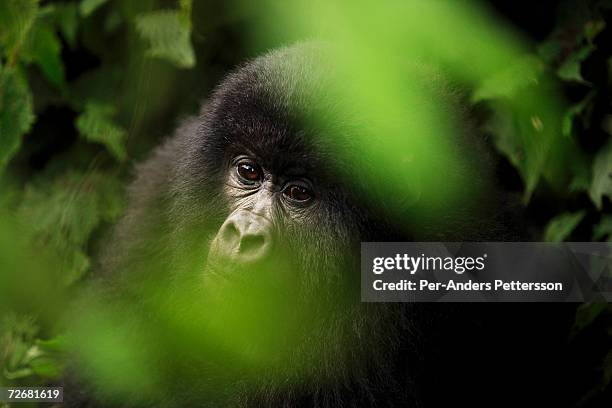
(249, 219)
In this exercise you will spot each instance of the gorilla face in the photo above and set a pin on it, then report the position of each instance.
(258, 185)
(259, 197)
(276, 210)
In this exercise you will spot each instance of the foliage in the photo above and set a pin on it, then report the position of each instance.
(23, 355)
(64, 133)
(96, 125)
(578, 52)
(88, 86)
(16, 115)
(560, 227)
(168, 35)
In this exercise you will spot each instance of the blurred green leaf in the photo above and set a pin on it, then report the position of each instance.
(89, 6)
(593, 28)
(67, 19)
(55, 345)
(75, 263)
(43, 47)
(526, 136)
(47, 367)
(509, 81)
(523, 128)
(580, 168)
(16, 337)
(21, 355)
(560, 227)
(168, 34)
(16, 18)
(580, 182)
(573, 111)
(113, 344)
(503, 129)
(21, 372)
(28, 284)
(601, 185)
(603, 229)
(65, 212)
(96, 125)
(16, 115)
(570, 69)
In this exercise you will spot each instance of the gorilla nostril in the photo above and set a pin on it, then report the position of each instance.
(250, 244)
(230, 233)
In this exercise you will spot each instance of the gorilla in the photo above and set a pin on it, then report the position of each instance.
(238, 254)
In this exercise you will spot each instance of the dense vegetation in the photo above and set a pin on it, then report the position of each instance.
(87, 87)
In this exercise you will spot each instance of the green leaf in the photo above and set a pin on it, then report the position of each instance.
(167, 33)
(67, 20)
(76, 263)
(506, 138)
(43, 47)
(16, 115)
(16, 339)
(26, 355)
(62, 213)
(601, 185)
(89, 6)
(17, 373)
(523, 139)
(56, 344)
(47, 367)
(508, 82)
(570, 69)
(603, 229)
(580, 182)
(96, 125)
(560, 227)
(16, 18)
(593, 28)
(524, 129)
(65, 212)
(185, 6)
(574, 111)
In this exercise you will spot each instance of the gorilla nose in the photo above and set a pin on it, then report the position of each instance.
(245, 237)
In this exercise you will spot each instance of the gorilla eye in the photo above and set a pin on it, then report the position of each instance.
(249, 171)
(298, 193)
